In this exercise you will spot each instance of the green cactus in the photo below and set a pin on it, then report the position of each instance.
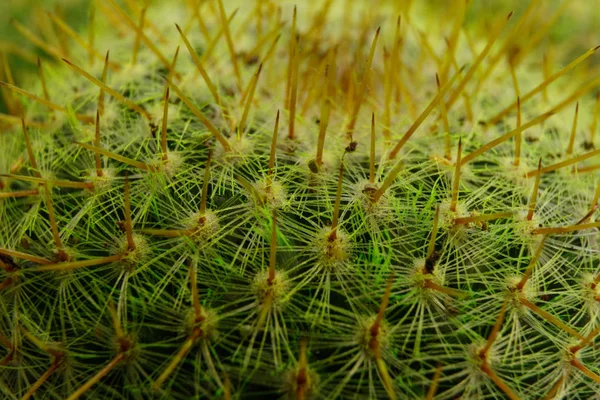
(213, 199)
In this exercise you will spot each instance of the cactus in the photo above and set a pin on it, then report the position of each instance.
(344, 200)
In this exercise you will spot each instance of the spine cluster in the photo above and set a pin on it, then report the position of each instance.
(334, 201)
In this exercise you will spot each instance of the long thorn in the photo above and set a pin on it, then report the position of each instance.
(19, 193)
(498, 381)
(213, 44)
(53, 225)
(99, 171)
(71, 265)
(594, 203)
(140, 29)
(430, 284)
(556, 387)
(115, 156)
(338, 200)
(565, 229)
(564, 163)
(53, 182)
(503, 50)
(384, 303)
(42, 79)
(209, 125)
(372, 153)
(542, 85)
(387, 182)
(518, 136)
(25, 256)
(534, 193)
(550, 318)
(103, 80)
(540, 33)
(168, 232)
(273, 249)
(194, 288)
(294, 93)
(109, 90)
(136, 9)
(507, 136)
(34, 165)
(96, 378)
(250, 98)
(461, 86)
(363, 85)
(482, 217)
(573, 131)
(273, 150)
(324, 118)
(456, 178)
(198, 63)
(185, 348)
(434, 231)
(595, 119)
(114, 316)
(147, 41)
(232, 54)
(423, 115)
(291, 55)
(63, 26)
(204, 198)
(49, 104)
(163, 130)
(301, 376)
(53, 51)
(92, 32)
(128, 223)
(585, 370)
(434, 382)
(546, 74)
(495, 330)
(40, 381)
(447, 141)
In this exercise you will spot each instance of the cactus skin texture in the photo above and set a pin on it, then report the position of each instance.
(240, 199)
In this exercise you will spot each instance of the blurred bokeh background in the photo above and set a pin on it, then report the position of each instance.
(575, 23)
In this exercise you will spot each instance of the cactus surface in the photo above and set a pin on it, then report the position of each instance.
(247, 199)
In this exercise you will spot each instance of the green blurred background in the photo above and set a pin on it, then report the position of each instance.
(576, 30)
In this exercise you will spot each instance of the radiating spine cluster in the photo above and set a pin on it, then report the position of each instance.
(341, 202)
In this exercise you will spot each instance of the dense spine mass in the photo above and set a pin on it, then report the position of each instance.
(245, 199)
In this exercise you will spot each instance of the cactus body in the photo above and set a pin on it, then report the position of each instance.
(333, 201)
